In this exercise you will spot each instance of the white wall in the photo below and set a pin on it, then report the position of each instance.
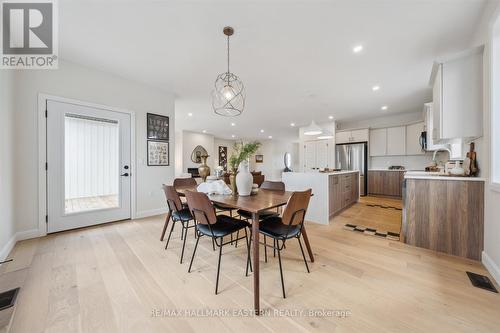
(89, 85)
(484, 35)
(7, 227)
(273, 152)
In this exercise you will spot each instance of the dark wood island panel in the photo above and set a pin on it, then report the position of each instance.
(445, 216)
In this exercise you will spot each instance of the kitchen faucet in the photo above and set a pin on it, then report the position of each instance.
(438, 150)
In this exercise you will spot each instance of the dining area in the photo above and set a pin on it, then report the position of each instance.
(271, 218)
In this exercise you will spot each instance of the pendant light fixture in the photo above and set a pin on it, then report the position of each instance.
(228, 97)
(326, 134)
(313, 129)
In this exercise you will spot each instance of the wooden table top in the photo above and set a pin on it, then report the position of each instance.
(263, 200)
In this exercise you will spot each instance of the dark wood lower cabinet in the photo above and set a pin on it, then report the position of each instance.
(388, 183)
(343, 191)
(445, 216)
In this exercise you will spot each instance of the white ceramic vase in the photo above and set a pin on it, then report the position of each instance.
(244, 179)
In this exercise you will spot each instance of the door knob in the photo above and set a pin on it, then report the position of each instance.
(125, 174)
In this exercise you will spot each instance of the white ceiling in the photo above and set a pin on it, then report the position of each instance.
(295, 58)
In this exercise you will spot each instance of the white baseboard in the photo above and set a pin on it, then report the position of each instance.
(491, 267)
(18, 236)
(152, 212)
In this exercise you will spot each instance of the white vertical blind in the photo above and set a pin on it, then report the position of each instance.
(91, 157)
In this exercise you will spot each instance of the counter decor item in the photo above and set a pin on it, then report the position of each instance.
(241, 153)
(457, 170)
(471, 154)
(204, 169)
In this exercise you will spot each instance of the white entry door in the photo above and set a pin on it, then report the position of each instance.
(89, 171)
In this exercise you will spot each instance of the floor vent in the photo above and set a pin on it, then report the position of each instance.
(481, 281)
(7, 301)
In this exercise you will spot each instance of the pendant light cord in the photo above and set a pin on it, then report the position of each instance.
(228, 54)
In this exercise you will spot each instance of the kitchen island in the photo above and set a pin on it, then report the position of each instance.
(444, 213)
(332, 191)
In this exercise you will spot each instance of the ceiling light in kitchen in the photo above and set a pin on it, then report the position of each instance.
(357, 48)
(326, 135)
(376, 88)
(313, 129)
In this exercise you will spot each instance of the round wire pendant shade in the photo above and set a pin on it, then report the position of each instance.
(228, 97)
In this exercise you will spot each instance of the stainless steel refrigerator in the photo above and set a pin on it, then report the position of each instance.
(354, 156)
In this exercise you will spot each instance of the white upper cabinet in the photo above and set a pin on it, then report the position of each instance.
(378, 142)
(342, 137)
(396, 140)
(360, 135)
(413, 133)
(457, 85)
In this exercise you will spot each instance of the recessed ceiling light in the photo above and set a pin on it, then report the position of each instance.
(190, 114)
(204, 131)
(270, 136)
(375, 88)
(384, 108)
(330, 117)
(233, 124)
(262, 131)
(233, 136)
(357, 48)
(292, 124)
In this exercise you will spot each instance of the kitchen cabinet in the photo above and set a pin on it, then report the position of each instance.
(429, 121)
(388, 183)
(396, 140)
(457, 96)
(360, 135)
(378, 142)
(316, 155)
(413, 133)
(343, 191)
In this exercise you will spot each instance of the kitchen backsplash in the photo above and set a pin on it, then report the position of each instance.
(417, 162)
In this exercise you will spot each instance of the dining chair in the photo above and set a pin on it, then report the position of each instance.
(179, 213)
(216, 227)
(289, 226)
(266, 185)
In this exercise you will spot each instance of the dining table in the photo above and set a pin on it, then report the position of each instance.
(255, 204)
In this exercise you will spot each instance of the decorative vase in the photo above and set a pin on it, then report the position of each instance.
(244, 179)
(204, 169)
(232, 182)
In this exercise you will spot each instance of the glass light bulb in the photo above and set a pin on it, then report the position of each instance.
(227, 92)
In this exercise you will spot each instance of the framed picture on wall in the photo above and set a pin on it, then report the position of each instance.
(157, 127)
(259, 158)
(158, 153)
(223, 157)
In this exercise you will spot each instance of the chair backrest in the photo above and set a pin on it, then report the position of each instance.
(273, 186)
(201, 207)
(296, 207)
(173, 199)
(184, 182)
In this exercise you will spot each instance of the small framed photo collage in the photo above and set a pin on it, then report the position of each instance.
(158, 140)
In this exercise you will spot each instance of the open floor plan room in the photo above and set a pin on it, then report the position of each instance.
(250, 166)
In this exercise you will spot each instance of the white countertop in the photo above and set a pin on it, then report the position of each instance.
(438, 176)
(316, 173)
(387, 170)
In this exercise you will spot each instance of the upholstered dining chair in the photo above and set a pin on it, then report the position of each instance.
(289, 226)
(179, 214)
(216, 227)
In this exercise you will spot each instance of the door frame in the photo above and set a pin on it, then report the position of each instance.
(42, 154)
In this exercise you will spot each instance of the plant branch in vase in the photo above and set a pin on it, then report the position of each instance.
(240, 178)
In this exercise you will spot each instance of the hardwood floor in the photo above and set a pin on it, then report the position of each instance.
(112, 278)
(368, 213)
